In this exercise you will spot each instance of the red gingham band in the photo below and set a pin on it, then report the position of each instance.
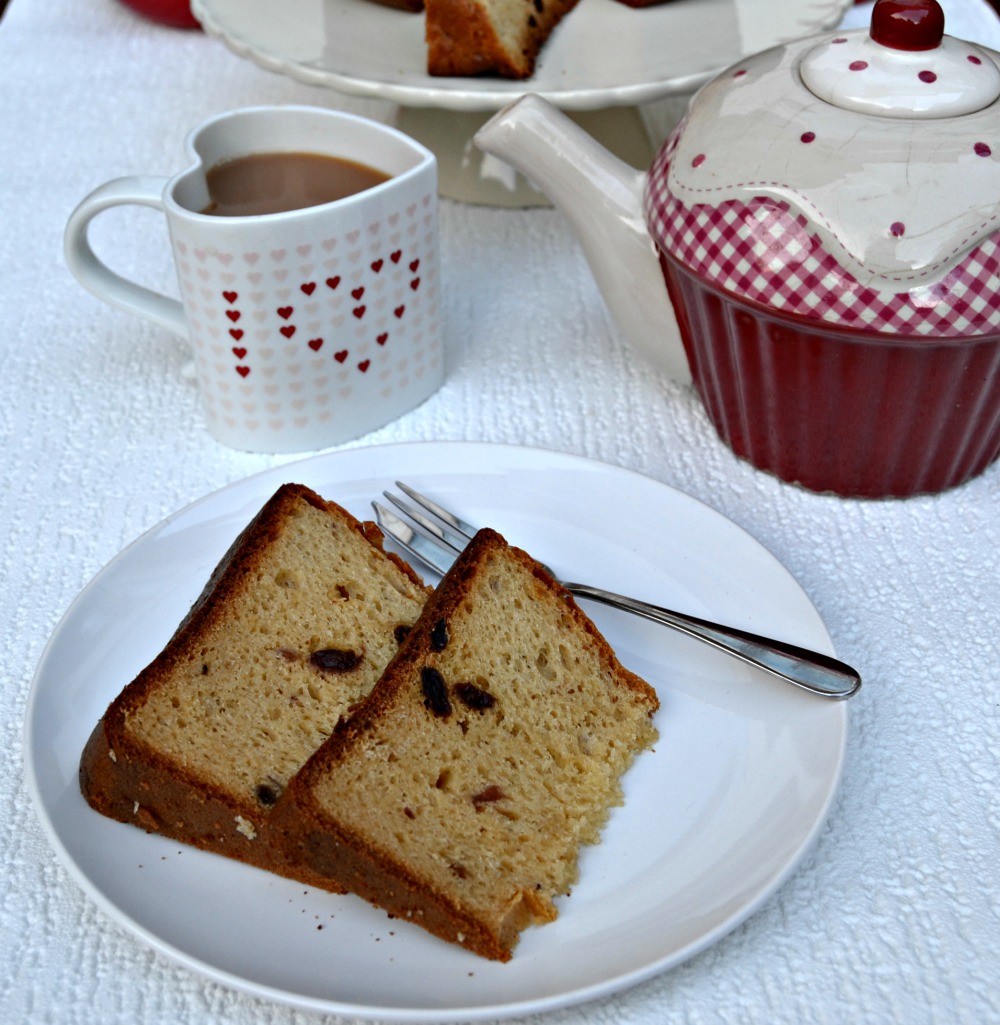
(763, 251)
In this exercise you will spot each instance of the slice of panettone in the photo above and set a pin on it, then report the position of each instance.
(294, 627)
(500, 37)
(458, 794)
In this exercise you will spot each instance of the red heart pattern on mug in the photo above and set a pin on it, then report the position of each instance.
(310, 327)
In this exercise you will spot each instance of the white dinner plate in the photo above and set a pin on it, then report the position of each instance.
(602, 54)
(715, 818)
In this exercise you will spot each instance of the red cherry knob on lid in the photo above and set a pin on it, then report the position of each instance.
(907, 24)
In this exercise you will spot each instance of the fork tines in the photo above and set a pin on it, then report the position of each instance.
(466, 530)
(434, 539)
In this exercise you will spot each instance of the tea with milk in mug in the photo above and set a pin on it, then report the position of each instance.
(271, 183)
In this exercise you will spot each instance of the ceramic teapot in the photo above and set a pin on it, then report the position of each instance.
(816, 247)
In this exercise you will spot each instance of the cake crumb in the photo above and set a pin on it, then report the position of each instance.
(246, 827)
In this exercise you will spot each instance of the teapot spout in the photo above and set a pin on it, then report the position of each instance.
(602, 198)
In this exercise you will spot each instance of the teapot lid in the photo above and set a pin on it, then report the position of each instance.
(904, 66)
(883, 142)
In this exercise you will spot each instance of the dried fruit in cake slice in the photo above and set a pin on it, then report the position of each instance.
(459, 793)
(294, 627)
(644, 3)
(411, 6)
(482, 37)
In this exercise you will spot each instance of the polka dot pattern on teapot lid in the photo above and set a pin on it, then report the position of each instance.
(904, 66)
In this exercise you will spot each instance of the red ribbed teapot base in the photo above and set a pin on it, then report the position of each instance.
(835, 410)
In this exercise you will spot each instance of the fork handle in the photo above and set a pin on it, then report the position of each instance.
(811, 670)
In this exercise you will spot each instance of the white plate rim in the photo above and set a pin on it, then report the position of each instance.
(640, 84)
(261, 484)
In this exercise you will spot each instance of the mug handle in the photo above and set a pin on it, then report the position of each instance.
(96, 276)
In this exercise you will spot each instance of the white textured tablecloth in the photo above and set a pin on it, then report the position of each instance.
(895, 916)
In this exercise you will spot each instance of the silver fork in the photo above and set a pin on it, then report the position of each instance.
(437, 542)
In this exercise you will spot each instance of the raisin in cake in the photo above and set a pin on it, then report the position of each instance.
(459, 793)
(295, 626)
(478, 37)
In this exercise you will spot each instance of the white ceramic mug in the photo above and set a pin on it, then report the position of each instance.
(311, 327)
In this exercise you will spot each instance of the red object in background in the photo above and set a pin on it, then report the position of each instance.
(167, 12)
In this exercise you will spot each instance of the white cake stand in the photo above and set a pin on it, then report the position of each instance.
(625, 74)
